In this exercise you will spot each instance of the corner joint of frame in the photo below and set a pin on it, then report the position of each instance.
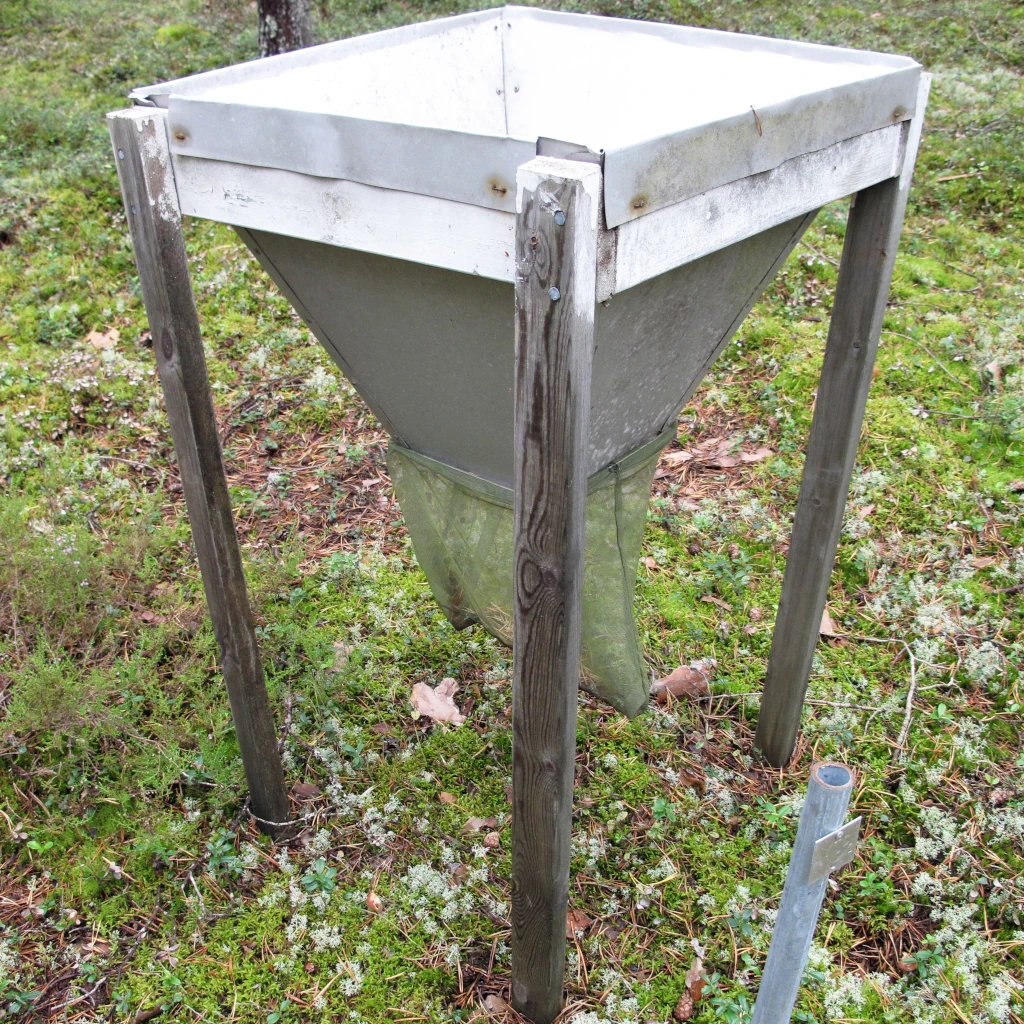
(531, 176)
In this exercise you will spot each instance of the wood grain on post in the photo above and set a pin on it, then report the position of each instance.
(151, 205)
(556, 265)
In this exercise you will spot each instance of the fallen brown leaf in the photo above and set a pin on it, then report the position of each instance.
(714, 453)
(677, 458)
(576, 921)
(101, 340)
(717, 601)
(96, 945)
(693, 680)
(305, 791)
(695, 979)
(437, 703)
(446, 798)
(494, 1004)
(342, 651)
(492, 840)
(828, 627)
(650, 563)
(983, 562)
(479, 824)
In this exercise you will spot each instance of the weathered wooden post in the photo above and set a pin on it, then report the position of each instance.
(154, 220)
(556, 268)
(865, 272)
(822, 844)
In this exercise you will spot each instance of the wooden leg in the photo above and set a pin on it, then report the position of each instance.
(865, 272)
(869, 253)
(556, 262)
(151, 203)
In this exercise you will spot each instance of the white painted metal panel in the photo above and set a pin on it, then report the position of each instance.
(649, 246)
(451, 79)
(475, 240)
(450, 109)
(254, 72)
(422, 229)
(425, 114)
(679, 110)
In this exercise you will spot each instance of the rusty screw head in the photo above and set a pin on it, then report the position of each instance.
(180, 136)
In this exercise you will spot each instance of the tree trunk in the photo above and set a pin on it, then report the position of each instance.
(284, 25)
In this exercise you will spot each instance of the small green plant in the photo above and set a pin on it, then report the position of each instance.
(732, 1007)
(19, 1002)
(196, 773)
(734, 573)
(776, 816)
(925, 959)
(282, 1014)
(221, 858)
(35, 846)
(354, 454)
(89, 972)
(354, 753)
(874, 886)
(173, 989)
(319, 878)
(121, 1000)
(742, 921)
(664, 810)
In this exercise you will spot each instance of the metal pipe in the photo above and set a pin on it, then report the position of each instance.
(821, 845)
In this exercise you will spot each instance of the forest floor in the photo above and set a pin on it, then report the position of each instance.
(135, 886)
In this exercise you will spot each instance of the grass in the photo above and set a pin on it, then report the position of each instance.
(133, 883)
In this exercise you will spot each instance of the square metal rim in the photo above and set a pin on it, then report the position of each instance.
(538, 82)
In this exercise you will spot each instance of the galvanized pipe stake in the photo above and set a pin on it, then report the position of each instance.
(822, 845)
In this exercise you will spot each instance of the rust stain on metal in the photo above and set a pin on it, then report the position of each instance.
(899, 114)
(497, 186)
(180, 134)
(639, 202)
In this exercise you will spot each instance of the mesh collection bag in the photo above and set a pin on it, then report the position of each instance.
(461, 529)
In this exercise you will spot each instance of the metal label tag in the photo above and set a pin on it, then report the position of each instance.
(834, 850)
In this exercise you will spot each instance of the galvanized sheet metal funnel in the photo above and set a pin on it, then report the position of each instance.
(431, 350)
